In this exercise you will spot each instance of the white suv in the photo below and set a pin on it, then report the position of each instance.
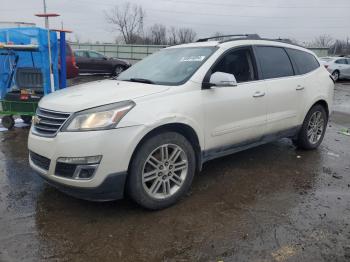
(147, 133)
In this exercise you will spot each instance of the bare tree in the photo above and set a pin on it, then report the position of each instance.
(128, 20)
(294, 41)
(340, 47)
(172, 39)
(158, 34)
(325, 41)
(186, 35)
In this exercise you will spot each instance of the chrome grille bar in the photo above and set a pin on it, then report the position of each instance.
(47, 123)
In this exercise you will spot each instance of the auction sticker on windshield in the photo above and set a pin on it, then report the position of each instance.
(192, 58)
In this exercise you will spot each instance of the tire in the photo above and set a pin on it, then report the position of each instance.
(163, 182)
(8, 122)
(26, 119)
(311, 137)
(336, 75)
(117, 70)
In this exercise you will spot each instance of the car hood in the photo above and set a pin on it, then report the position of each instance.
(84, 96)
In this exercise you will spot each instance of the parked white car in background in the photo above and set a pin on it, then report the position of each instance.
(339, 67)
(147, 133)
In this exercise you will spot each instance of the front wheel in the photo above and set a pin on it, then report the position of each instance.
(313, 129)
(335, 75)
(161, 171)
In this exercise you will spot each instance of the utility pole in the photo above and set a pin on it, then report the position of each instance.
(46, 18)
(47, 26)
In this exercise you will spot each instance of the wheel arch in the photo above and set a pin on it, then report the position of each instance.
(319, 101)
(187, 131)
(323, 103)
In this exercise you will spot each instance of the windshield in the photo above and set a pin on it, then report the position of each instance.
(172, 66)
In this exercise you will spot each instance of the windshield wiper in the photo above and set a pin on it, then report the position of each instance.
(141, 80)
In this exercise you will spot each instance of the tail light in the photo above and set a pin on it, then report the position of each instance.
(73, 60)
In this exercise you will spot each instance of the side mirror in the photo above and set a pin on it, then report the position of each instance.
(221, 79)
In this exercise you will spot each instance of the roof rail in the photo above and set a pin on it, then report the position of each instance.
(232, 37)
(282, 40)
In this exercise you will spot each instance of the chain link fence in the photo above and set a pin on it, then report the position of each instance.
(134, 53)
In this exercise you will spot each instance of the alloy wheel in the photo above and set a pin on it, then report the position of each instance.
(164, 171)
(335, 75)
(315, 127)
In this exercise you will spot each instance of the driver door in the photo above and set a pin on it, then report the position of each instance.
(235, 116)
(99, 63)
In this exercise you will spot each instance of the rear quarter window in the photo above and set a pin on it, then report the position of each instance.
(274, 62)
(341, 61)
(303, 61)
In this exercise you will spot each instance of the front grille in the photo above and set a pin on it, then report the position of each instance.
(47, 122)
(40, 161)
(65, 170)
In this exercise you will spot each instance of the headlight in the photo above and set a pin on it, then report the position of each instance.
(98, 118)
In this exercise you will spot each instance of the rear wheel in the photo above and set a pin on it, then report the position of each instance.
(8, 122)
(335, 75)
(313, 129)
(161, 171)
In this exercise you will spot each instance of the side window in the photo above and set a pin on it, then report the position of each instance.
(81, 53)
(348, 60)
(340, 61)
(95, 55)
(274, 62)
(304, 61)
(240, 63)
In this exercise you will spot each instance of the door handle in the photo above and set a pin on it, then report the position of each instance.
(259, 94)
(299, 88)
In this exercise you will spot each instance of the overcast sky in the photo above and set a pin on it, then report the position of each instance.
(299, 19)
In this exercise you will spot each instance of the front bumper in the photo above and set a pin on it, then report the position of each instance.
(116, 147)
(112, 188)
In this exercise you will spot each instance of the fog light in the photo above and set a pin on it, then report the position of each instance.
(85, 171)
(80, 160)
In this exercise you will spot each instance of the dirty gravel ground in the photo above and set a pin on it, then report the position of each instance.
(270, 203)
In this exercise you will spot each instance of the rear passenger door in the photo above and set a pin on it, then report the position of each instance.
(99, 63)
(283, 88)
(305, 65)
(342, 66)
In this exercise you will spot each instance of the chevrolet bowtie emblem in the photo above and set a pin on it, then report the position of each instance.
(36, 120)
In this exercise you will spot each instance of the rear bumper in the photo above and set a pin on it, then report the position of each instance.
(112, 188)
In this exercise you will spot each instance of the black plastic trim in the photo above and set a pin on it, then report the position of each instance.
(231, 149)
(112, 188)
